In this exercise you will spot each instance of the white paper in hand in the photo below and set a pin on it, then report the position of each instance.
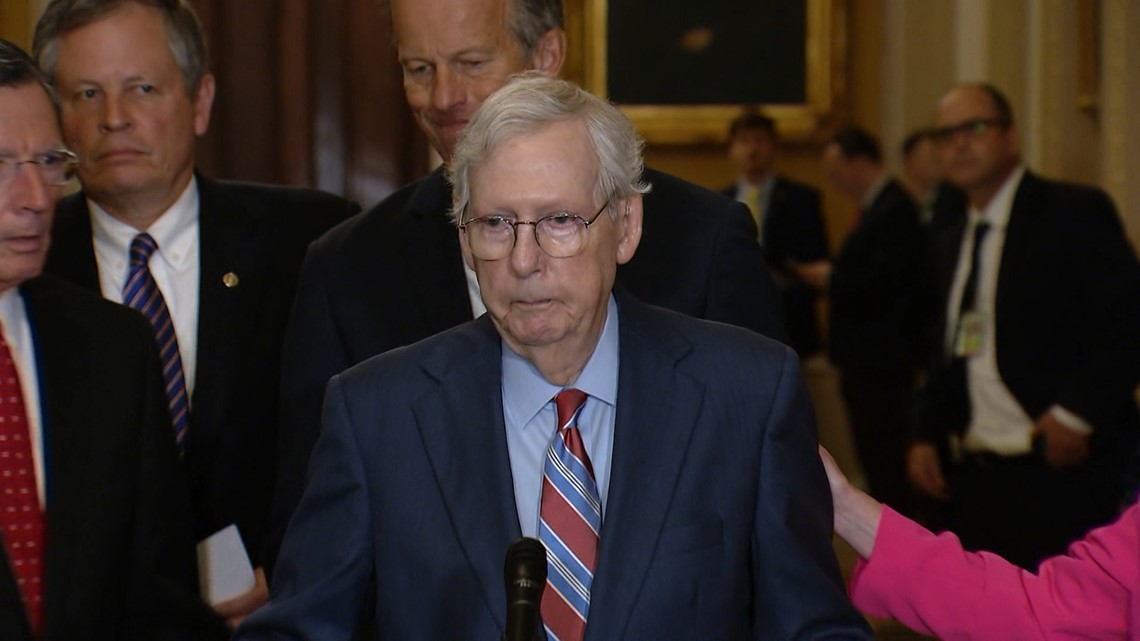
(224, 570)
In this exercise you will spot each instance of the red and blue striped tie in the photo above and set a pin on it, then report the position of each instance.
(141, 292)
(570, 519)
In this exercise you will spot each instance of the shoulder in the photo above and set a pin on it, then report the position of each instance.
(796, 189)
(709, 350)
(1059, 195)
(276, 200)
(690, 211)
(54, 300)
(424, 201)
(1073, 208)
(455, 354)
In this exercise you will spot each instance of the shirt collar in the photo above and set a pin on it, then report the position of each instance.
(526, 392)
(173, 230)
(874, 191)
(11, 313)
(996, 212)
(764, 187)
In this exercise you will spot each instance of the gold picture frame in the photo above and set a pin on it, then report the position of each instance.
(825, 43)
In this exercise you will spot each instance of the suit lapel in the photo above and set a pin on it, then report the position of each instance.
(651, 439)
(232, 262)
(462, 426)
(62, 367)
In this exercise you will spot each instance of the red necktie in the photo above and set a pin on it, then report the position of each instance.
(21, 519)
(570, 520)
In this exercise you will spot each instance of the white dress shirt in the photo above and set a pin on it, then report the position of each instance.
(175, 266)
(998, 423)
(18, 334)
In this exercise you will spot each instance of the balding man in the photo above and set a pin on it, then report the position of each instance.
(1039, 351)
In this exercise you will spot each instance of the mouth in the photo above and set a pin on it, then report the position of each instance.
(25, 243)
(119, 153)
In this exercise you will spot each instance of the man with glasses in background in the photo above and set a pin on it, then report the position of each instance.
(1028, 419)
(667, 464)
(95, 538)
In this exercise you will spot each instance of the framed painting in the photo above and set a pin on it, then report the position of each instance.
(682, 70)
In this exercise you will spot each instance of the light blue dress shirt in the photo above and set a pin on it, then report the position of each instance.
(531, 419)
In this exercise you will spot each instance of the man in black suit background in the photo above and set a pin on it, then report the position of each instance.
(94, 528)
(788, 218)
(136, 93)
(879, 310)
(1031, 392)
(395, 275)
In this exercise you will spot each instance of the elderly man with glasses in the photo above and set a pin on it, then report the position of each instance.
(666, 464)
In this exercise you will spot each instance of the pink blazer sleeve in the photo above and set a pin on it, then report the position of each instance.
(932, 585)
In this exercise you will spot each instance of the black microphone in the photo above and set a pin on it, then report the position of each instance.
(525, 574)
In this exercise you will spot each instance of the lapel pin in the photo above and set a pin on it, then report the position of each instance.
(230, 280)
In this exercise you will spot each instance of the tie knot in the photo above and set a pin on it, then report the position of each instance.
(569, 401)
(142, 248)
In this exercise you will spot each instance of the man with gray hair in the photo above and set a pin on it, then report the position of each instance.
(666, 464)
(699, 254)
(212, 264)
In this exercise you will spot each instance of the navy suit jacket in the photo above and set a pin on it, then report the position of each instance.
(394, 275)
(1067, 314)
(718, 522)
(119, 554)
(793, 233)
(258, 233)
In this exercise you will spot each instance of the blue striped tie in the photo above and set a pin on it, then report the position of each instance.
(570, 519)
(142, 293)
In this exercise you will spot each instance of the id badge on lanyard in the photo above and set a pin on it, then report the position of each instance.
(970, 336)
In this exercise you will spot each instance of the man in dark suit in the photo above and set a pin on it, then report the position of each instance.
(788, 218)
(678, 489)
(394, 275)
(1039, 348)
(227, 257)
(879, 310)
(94, 531)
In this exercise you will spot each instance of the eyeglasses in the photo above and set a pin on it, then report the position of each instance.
(975, 128)
(56, 167)
(560, 235)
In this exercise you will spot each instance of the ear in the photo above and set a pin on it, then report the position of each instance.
(550, 52)
(629, 227)
(203, 101)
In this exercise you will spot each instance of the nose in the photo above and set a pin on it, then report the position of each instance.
(526, 254)
(447, 90)
(115, 116)
(29, 191)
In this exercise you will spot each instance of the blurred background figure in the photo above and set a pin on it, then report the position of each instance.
(788, 221)
(879, 314)
(1028, 419)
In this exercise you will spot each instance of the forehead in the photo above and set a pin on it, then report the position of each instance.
(964, 103)
(444, 26)
(27, 120)
(556, 162)
(128, 41)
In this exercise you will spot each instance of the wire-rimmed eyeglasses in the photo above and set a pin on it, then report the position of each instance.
(560, 235)
(56, 166)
